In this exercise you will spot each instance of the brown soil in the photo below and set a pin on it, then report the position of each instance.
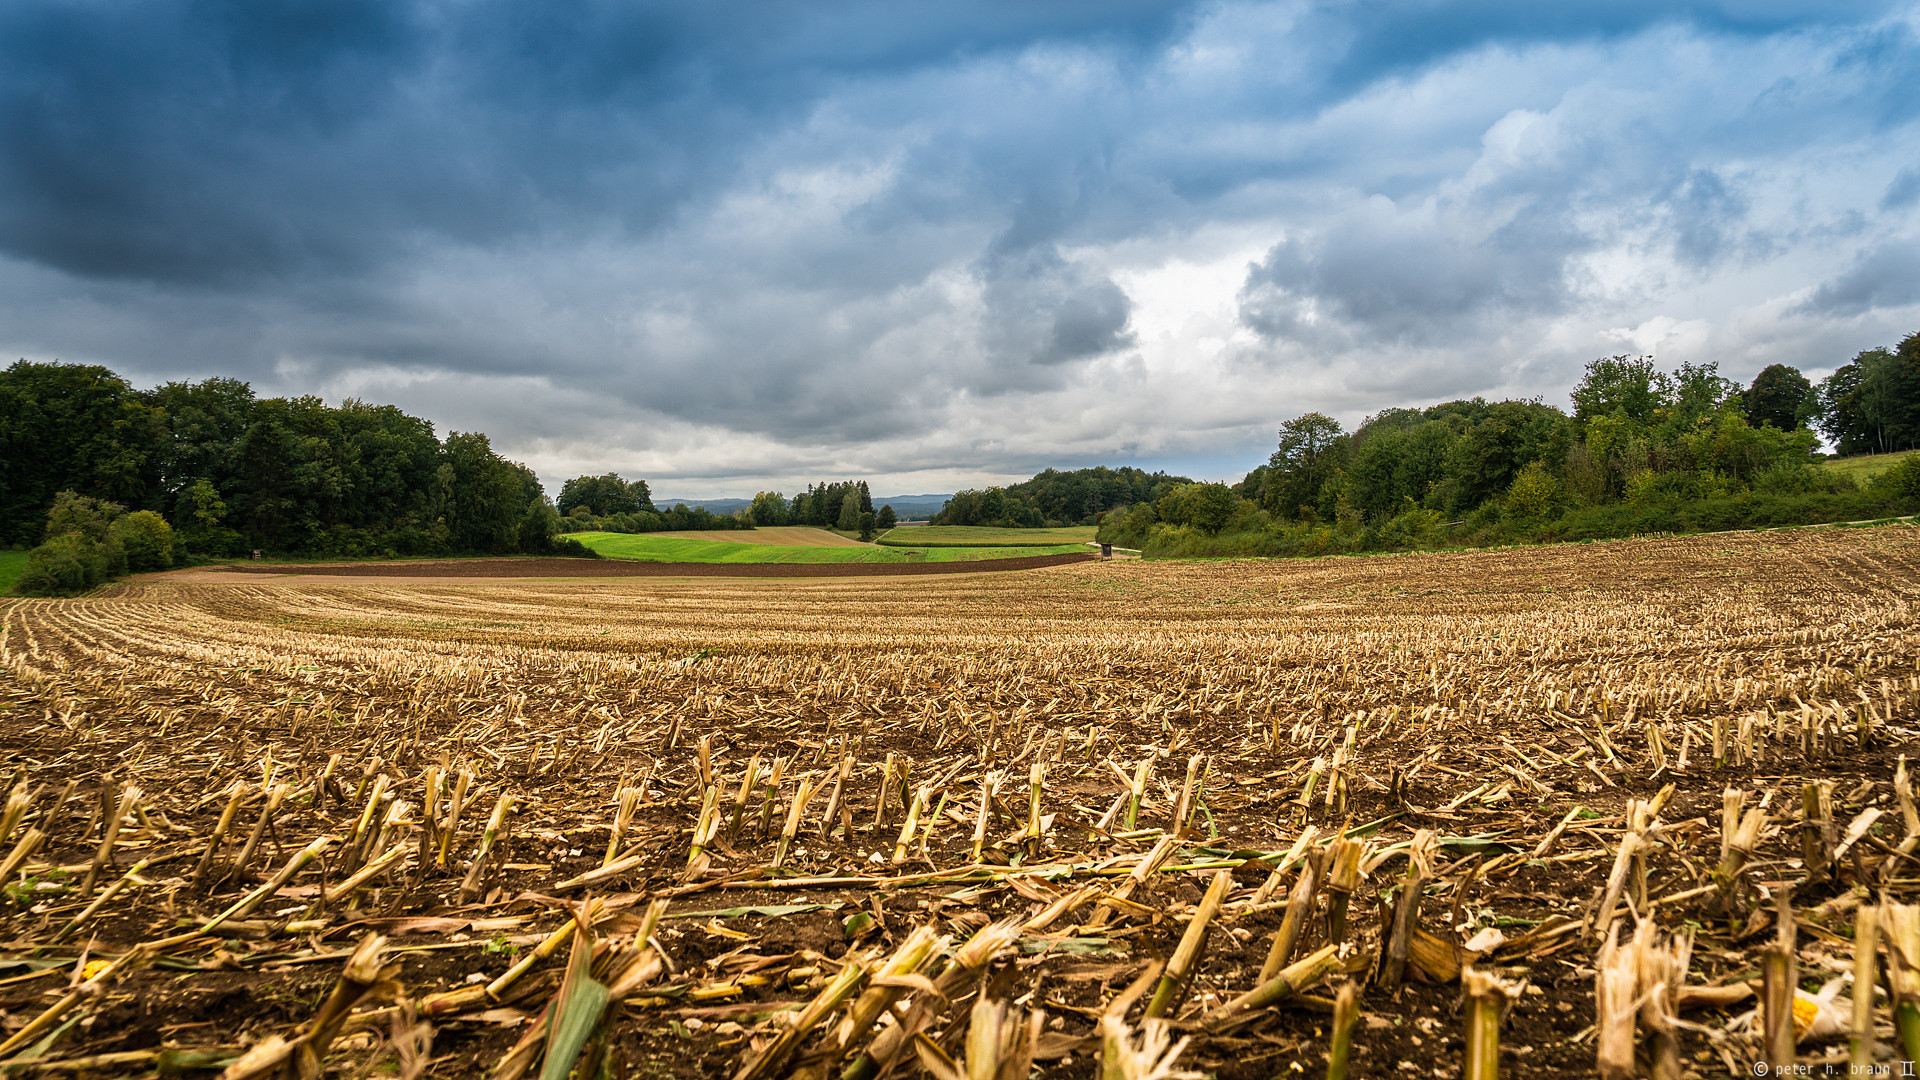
(594, 568)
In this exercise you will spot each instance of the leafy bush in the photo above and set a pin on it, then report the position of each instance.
(1535, 493)
(1902, 480)
(1414, 527)
(571, 548)
(90, 542)
(147, 540)
(67, 565)
(1130, 528)
(1797, 478)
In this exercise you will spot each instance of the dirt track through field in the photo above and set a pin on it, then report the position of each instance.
(517, 569)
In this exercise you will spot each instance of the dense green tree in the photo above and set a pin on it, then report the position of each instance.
(71, 427)
(1625, 384)
(1535, 493)
(606, 495)
(1872, 405)
(204, 424)
(74, 514)
(770, 508)
(1206, 507)
(1248, 486)
(1490, 453)
(1694, 390)
(485, 500)
(822, 505)
(1775, 397)
(83, 547)
(1401, 455)
(1841, 418)
(64, 566)
(146, 540)
(1890, 396)
(885, 519)
(1309, 453)
(849, 513)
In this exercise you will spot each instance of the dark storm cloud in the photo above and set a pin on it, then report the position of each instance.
(209, 140)
(826, 224)
(1043, 311)
(1888, 276)
(212, 140)
(1415, 277)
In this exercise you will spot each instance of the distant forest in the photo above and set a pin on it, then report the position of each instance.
(611, 504)
(1080, 497)
(210, 469)
(1642, 451)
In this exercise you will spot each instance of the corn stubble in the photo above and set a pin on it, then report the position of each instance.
(1127, 821)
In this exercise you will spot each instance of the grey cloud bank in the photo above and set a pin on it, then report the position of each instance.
(730, 247)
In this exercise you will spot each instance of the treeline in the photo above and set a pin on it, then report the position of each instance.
(228, 472)
(846, 505)
(1055, 498)
(611, 504)
(1643, 450)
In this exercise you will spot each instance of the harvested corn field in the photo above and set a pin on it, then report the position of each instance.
(1578, 810)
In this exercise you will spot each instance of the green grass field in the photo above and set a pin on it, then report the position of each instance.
(964, 536)
(648, 547)
(1863, 467)
(11, 565)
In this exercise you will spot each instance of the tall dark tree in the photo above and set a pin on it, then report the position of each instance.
(885, 519)
(1842, 420)
(1489, 455)
(1401, 454)
(1872, 405)
(849, 512)
(205, 422)
(605, 495)
(1890, 396)
(1305, 460)
(71, 427)
(1775, 396)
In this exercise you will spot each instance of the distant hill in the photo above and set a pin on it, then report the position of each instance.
(711, 506)
(906, 506)
(912, 506)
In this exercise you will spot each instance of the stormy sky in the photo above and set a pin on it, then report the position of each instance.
(729, 247)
